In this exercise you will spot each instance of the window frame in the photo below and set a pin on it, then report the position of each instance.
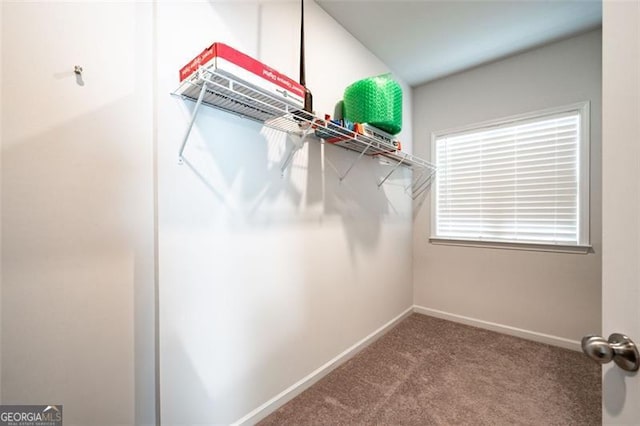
(584, 182)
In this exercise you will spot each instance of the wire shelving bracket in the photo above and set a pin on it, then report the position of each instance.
(303, 138)
(226, 92)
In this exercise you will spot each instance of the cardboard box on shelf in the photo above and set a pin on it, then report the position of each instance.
(226, 60)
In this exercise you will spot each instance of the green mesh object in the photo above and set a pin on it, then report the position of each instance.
(376, 101)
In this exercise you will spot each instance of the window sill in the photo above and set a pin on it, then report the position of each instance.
(582, 249)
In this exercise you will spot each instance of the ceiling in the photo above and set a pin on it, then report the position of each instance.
(425, 40)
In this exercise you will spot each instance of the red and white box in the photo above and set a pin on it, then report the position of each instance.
(228, 61)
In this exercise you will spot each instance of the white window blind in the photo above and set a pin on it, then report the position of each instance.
(519, 181)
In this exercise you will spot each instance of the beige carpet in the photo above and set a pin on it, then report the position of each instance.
(427, 371)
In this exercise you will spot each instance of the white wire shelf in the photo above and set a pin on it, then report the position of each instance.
(223, 91)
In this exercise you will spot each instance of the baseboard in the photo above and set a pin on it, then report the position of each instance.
(297, 388)
(500, 328)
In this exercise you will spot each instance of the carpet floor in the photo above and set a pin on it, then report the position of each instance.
(427, 371)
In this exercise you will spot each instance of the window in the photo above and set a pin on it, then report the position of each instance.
(517, 181)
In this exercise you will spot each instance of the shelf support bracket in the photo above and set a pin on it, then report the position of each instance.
(392, 170)
(344, 175)
(194, 114)
(294, 149)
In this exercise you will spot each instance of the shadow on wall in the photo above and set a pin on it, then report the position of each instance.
(244, 173)
(423, 198)
(77, 217)
(240, 167)
(77, 185)
(265, 277)
(209, 369)
(615, 381)
(250, 286)
(197, 401)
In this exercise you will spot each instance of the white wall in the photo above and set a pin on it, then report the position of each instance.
(77, 210)
(263, 279)
(549, 293)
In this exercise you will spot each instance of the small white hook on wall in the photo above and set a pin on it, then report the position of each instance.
(78, 71)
